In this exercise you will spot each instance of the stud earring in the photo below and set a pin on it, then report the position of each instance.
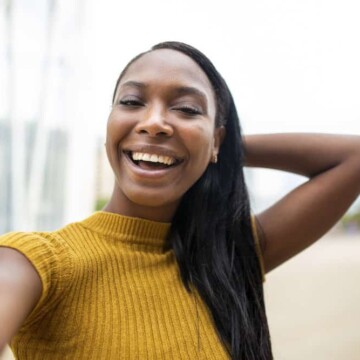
(215, 158)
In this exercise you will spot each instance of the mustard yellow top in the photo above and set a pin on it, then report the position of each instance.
(110, 291)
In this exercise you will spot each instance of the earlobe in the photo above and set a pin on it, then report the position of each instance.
(214, 159)
(219, 136)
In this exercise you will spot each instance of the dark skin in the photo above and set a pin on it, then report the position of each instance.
(164, 105)
(331, 162)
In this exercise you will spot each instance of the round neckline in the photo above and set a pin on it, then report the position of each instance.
(128, 229)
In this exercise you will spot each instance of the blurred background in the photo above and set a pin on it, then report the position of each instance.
(292, 67)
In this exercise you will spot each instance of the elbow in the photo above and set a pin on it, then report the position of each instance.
(354, 168)
(357, 147)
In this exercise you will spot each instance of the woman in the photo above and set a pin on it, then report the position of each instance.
(126, 284)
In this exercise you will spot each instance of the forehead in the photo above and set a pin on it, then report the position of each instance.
(167, 66)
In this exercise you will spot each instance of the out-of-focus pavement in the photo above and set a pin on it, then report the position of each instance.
(313, 302)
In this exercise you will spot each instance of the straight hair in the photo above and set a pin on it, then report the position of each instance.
(211, 233)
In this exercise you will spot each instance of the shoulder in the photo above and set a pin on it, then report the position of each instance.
(16, 268)
(20, 288)
(43, 257)
(44, 250)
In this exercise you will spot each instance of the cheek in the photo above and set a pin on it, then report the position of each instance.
(116, 130)
(111, 131)
(199, 140)
(113, 127)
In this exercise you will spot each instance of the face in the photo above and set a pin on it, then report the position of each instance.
(161, 133)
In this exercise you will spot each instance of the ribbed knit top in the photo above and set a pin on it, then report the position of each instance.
(111, 291)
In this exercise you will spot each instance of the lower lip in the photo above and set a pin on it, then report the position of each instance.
(150, 174)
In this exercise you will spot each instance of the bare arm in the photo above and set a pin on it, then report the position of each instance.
(332, 164)
(20, 289)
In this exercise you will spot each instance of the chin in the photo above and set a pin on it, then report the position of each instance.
(153, 199)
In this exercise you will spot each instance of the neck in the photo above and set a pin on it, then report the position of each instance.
(123, 206)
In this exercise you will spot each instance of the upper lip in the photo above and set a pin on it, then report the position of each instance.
(153, 149)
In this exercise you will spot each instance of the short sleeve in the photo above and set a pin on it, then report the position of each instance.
(49, 257)
(257, 246)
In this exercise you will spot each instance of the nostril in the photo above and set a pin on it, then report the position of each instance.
(154, 128)
(153, 133)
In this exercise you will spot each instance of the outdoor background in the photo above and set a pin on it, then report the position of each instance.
(292, 66)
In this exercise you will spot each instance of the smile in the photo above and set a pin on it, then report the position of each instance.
(150, 161)
(153, 158)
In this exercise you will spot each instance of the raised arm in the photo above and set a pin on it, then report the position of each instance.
(20, 290)
(332, 164)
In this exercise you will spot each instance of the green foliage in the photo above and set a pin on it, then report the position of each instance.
(100, 203)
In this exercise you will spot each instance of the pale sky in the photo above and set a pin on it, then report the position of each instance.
(291, 65)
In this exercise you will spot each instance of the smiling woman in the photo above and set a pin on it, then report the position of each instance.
(172, 268)
(164, 106)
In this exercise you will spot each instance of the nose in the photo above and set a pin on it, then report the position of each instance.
(154, 123)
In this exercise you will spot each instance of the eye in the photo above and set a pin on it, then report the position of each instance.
(131, 102)
(189, 110)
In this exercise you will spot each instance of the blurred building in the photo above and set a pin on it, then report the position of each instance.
(52, 194)
(47, 149)
(5, 181)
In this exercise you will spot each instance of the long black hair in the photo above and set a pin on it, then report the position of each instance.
(211, 233)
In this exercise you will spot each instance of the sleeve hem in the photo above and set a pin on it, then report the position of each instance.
(50, 257)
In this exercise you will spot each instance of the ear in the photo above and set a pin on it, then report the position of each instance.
(219, 136)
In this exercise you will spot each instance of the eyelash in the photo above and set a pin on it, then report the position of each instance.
(186, 109)
(130, 102)
(189, 110)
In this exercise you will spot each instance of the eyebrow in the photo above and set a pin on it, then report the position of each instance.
(134, 83)
(179, 91)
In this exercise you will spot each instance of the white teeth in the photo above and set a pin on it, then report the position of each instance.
(153, 158)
